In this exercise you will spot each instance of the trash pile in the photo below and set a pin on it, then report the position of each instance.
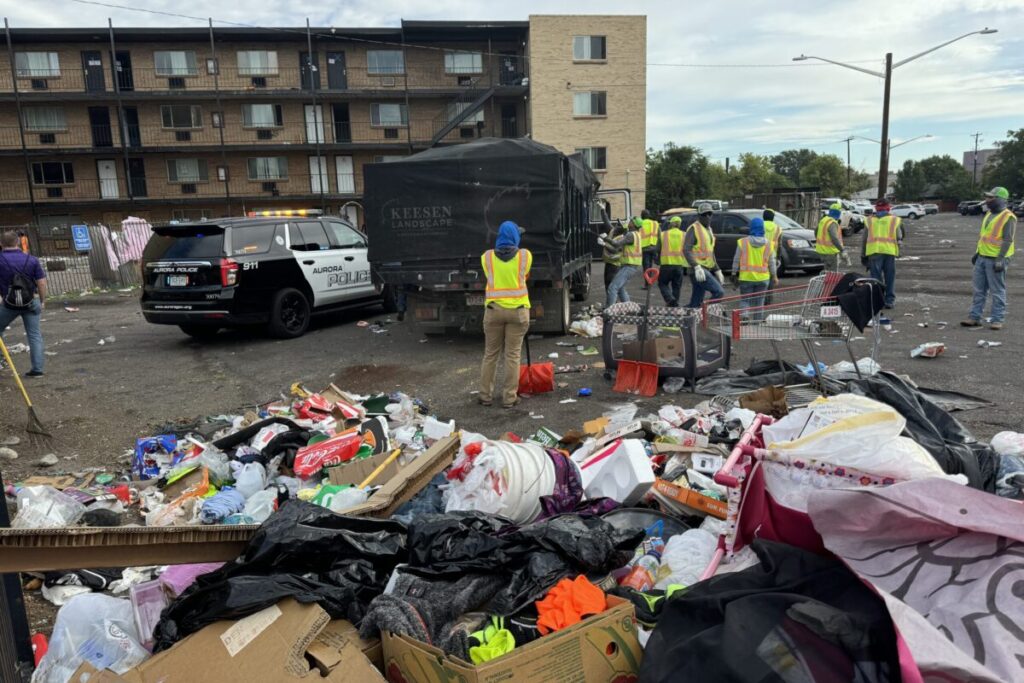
(717, 540)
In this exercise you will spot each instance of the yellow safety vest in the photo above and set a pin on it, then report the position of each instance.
(704, 245)
(823, 241)
(772, 234)
(753, 261)
(633, 251)
(881, 236)
(672, 248)
(649, 233)
(992, 227)
(506, 280)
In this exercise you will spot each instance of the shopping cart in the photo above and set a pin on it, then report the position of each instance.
(805, 314)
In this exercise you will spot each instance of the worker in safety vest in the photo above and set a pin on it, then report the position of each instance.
(671, 261)
(829, 238)
(630, 260)
(753, 268)
(699, 252)
(772, 233)
(611, 255)
(649, 232)
(995, 247)
(507, 314)
(883, 235)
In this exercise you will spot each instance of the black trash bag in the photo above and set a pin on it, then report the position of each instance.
(287, 444)
(302, 551)
(796, 616)
(457, 543)
(764, 367)
(949, 442)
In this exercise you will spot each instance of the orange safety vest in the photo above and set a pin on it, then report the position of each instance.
(506, 280)
(632, 253)
(704, 245)
(753, 261)
(823, 240)
(672, 248)
(991, 241)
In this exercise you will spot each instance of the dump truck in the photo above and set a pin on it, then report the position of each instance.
(430, 216)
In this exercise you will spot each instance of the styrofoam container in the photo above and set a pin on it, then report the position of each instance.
(620, 471)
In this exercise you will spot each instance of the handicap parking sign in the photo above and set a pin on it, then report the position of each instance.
(80, 233)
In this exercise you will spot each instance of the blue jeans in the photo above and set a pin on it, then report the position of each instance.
(30, 318)
(748, 288)
(670, 282)
(617, 289)
(988, 281)
(710, 284)
(883, 269)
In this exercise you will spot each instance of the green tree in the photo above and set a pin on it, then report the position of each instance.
(791, 162)
(910, 181)
(946, 178)
(675, 177)
(1007, 167)
(720, 183)
(756, 174)
(826, 171)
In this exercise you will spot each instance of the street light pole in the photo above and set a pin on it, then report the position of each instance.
(883, 161)
(849, 182)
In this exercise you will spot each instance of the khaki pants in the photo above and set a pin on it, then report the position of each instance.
(504, 329)
(831, 261)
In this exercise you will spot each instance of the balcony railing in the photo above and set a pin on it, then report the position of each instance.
(101, 137)
(326, 78)
(111, 190)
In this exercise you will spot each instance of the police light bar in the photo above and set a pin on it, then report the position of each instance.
(275, 213)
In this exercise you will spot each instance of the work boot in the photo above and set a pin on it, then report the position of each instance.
(970, 322)
(995, 326)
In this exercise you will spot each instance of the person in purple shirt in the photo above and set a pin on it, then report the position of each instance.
(13, 260)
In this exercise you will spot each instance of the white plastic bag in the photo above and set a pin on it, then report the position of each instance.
(266, 435)
(619, 416)
(1008, 443)
(249, 478)
(92, 628)
(685, 558)
(44, 507)
(348, 498)
(260, 505)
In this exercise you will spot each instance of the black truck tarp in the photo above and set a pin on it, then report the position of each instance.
(446, 203)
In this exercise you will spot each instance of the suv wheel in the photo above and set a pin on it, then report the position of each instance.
(200, 331)
(912, 216)
(289, 314)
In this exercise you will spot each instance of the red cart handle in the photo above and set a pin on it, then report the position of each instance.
(651, 275)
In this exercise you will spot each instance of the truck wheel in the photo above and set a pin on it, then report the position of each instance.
(566, 310)
(201, 332)
(581, 290)
(289, 314)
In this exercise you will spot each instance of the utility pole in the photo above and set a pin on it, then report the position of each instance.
(849, 183)
(220, 113)
(974, 176)
(883, 164)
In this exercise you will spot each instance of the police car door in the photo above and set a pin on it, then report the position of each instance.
(318, 259)
(354, 260)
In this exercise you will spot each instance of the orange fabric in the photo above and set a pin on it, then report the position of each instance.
(567, 603)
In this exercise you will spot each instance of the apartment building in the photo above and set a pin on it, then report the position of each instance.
(183, 123)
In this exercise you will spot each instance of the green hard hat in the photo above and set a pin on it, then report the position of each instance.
(1000, 192)
(637, 221)
(836, 206)
(675, 220)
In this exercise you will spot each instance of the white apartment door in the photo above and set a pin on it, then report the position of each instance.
(314, 124)
(346, 175)
(318, 175)
(106, 171)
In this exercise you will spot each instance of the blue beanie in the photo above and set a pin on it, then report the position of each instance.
(835, 213)
(757, 227)
(508, 235)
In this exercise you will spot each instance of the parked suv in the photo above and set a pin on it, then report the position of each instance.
(275, 271)
(971, 208)
(912, 211)
(796, 249)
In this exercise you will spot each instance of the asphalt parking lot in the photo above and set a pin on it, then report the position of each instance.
(98, 398)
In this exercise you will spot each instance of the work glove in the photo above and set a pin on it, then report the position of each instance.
(1000, 265)
(844, 258)
(719, 275)
(699, 275)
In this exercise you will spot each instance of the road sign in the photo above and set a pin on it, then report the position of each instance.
(80, 233)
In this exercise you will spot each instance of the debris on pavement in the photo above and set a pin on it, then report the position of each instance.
(7, 453)
(928, 350)
(989, 344)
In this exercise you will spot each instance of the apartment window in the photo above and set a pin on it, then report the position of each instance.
(262, 116)
(53, 173)
(588, 48)
(45, 118)
(383, 158)
(175, 63)
(453, 109)
(187, 170)
(268, 168)
(463, 62)
(389, 115)
(257, 62)
(186, 116)
(589, 104)
(386, 62)
(595, 157)
(37, 64)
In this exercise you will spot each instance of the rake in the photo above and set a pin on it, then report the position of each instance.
(34, 425)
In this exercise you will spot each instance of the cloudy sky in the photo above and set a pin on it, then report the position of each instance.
(739, 101)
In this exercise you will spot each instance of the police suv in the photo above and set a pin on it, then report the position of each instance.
(273, 270)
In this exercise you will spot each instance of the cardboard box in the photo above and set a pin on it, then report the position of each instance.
(661, 350)
(356, 471)
(285, 642)
(698, 503)
(601, 649)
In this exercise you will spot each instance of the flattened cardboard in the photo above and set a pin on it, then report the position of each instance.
(356, 471)
(290, 646)
(601, 649)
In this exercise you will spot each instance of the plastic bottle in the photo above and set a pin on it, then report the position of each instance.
(260, 505)
(249, 478)
(645, 568)
(347, 498)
